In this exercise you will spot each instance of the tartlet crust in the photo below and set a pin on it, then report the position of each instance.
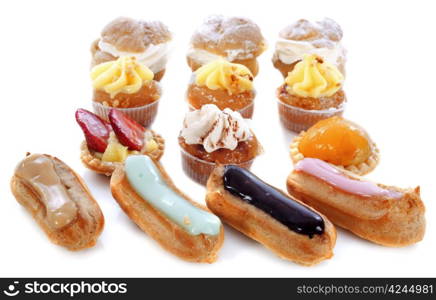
(361, 169)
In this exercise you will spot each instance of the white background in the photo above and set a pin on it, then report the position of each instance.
(44, 78)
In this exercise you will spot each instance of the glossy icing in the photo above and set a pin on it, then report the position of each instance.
(336, 178)
(148, 182)
(39, 172)
(292, 214)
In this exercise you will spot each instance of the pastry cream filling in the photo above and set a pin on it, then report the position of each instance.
(313, 77)
(124, 75)
(221, 74)
(116, 152)
(154, 57)
(289, 51)
(39, 172)
(147, 180)
(215, 129)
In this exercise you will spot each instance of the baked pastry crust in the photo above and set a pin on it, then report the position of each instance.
(221, 35)
(129, 35)
(92, 162)
(83, 231)
(321, 34)
(261, 227)
(385, 221)
(361, 169)
(173, 238)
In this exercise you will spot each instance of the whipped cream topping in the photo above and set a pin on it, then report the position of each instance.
(290, 51)
(155, 57)
(215, 129)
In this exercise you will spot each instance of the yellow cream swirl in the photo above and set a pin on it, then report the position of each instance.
(221, 74)
(313, 77)
(124, 75)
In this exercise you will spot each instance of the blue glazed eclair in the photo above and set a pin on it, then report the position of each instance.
(148, 196)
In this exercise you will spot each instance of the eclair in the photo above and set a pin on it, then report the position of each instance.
(58, 200)
(284, 225)
(385, 215)
(148, 196)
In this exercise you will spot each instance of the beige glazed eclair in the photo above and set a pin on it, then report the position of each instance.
(284, 225)
(181, 226)
(58, 200)
(385, 215)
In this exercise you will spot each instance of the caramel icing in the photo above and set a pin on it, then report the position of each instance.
(338, 179)
(39, 172)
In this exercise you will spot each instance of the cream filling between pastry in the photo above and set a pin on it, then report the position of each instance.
(289, 51)
(155, 57)
(204, 57)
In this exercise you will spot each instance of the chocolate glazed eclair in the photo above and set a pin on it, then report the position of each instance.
(286, 226)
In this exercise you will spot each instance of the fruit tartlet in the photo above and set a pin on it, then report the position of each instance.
(211, 136)
(322, 38)
(312, 91)
(225, 84)
(109, 143)
(126, 85)
(339, 142)
(235, 39)
(147, 41)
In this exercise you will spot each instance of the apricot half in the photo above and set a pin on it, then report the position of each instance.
(337, 141)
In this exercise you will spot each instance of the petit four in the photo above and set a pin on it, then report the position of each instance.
(312, 91)
(322, 38)
(58, 200)
(146, 41)
(237, 40)
(287, 227)
(148, 196)
(126, 85)
(339, 142)
(210, 136)
(382, 214)
(225, 84)
(109, 143)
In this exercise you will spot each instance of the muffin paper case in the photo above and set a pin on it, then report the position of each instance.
(199, 170)
(144, 115)
(246, 112)
(297, 119)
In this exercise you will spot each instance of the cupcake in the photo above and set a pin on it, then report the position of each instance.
(322, 38)
(337, 141)
(147, 41)
(126, 85)
(211, 136)
(225, 84)
(237, 40)
(312, 91)
(109, 143)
